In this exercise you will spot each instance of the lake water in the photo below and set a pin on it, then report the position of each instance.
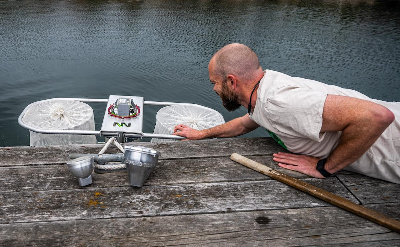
(159, 49)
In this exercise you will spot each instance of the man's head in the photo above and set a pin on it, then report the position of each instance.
(234, 70)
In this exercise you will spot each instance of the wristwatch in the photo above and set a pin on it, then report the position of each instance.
(321, 168)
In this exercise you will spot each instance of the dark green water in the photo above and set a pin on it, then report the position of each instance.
(159, 49)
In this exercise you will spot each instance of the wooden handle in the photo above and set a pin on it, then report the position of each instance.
(327, 196)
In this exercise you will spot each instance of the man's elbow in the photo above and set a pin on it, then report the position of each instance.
(384, 117)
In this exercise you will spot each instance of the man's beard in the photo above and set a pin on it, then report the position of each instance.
(230, 100)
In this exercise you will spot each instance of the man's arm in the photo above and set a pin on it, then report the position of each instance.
(361, 123)
(235, 127)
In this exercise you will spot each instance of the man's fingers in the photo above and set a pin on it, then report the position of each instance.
(180, 133)
(285, 160)
(177, 133)
(289, 167)
(181, 130)
(286, 155)
(300, 163)
(179, 127)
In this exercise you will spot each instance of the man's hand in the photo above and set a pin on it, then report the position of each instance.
(187, 132)
(235, 127)
(301, 163)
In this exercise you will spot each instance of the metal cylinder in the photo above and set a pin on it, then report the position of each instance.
(140, 162)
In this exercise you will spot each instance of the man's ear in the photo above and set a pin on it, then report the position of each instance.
(232, 81)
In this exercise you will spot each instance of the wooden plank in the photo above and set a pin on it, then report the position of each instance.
(215, 169)
(218, 147)
(11, 156)
(317, 226)
(87, 203)
(389, 209)
(369, 190)
(171, 171)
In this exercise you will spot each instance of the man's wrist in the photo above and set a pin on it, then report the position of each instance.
(321, 168)
(204, 134)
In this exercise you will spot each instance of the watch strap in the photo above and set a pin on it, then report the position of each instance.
(321, 168)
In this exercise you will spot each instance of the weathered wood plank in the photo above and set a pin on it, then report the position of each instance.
(172, 171)
(291, 227)
(219, 147)
(389, 209)
(369, 190)
(28, 206)
(11, 156)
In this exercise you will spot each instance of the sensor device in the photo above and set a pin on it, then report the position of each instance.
(124, 114)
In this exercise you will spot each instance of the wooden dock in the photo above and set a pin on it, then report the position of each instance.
(196, 196)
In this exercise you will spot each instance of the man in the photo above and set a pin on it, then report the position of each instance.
(326, 128)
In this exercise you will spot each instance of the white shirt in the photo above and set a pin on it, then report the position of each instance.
(292, 108)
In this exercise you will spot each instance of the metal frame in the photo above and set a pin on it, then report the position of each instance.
(100, 133)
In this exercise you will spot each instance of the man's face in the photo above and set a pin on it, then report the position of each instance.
(230, 100)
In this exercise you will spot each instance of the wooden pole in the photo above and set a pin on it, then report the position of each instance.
(327, 196)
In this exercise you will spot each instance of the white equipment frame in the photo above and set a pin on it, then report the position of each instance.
(119, 134)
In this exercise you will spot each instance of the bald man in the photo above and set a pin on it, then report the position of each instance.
(326, 128)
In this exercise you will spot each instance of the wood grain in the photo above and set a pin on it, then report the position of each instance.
(196, 196)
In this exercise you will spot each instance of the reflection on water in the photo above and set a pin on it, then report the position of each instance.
(159, 49)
